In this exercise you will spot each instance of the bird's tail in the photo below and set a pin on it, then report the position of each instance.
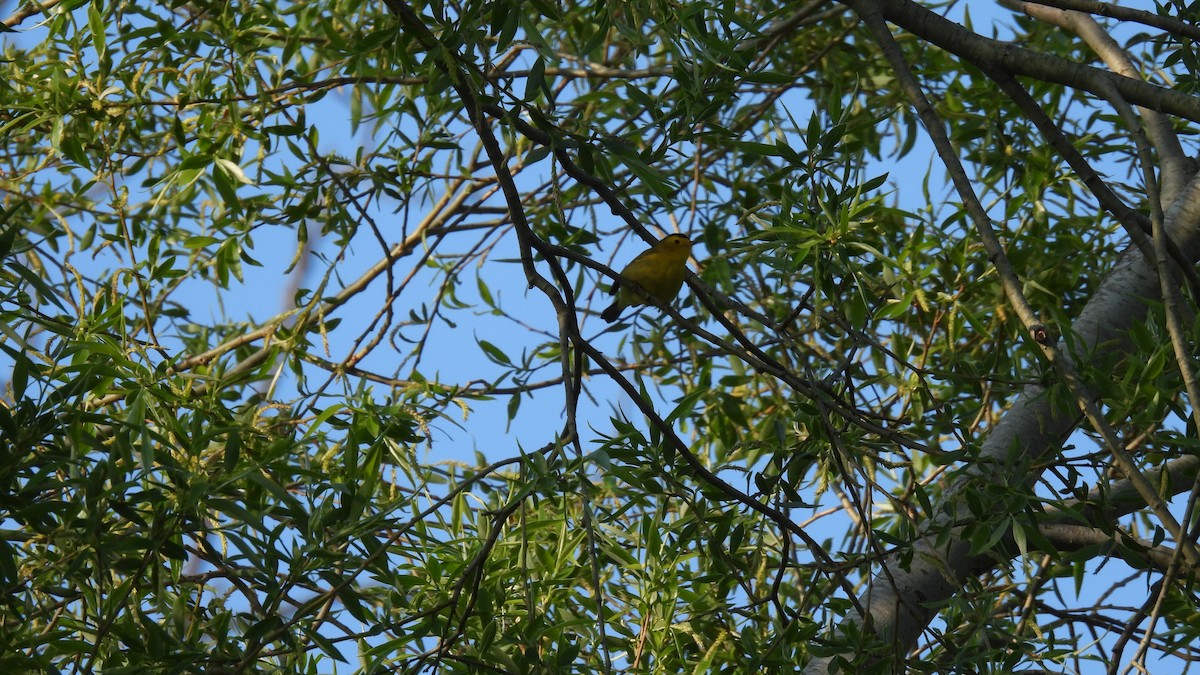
(612, 313)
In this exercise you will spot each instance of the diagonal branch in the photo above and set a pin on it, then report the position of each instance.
(990, 54)
(904, 597)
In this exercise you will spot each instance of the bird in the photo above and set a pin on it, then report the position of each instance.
(656, 272)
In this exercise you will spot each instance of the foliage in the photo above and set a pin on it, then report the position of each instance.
(290, 292)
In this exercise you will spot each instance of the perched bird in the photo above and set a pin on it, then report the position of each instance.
(657, 272)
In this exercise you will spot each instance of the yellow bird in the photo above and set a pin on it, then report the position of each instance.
(657, 272)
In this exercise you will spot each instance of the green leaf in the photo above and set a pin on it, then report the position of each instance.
(494, 354)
